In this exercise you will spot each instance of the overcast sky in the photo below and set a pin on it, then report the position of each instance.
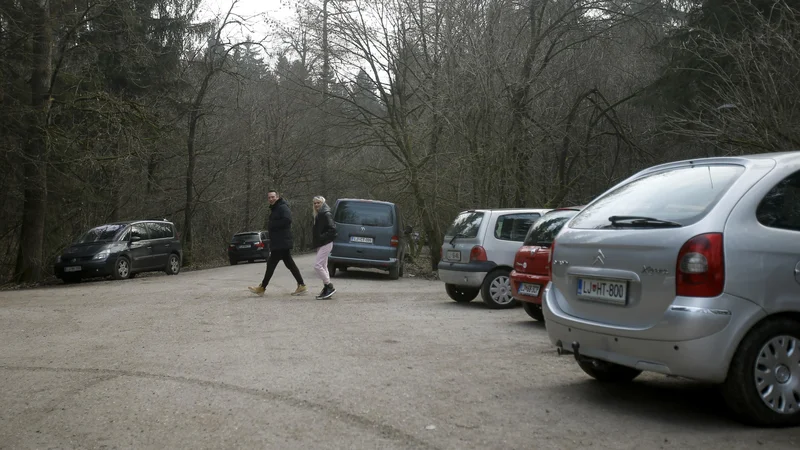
(279, 10)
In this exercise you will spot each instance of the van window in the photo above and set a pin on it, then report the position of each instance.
(780, 208)
(364, 213)
(514, 227)
(159, 230)
(466, 224)
(683, 195)
(138, 229)
(544, 230)
(101, 234)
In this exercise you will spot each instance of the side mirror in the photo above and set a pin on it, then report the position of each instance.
(135, 238)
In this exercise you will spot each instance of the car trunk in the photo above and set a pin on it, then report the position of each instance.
(364, 242)
(533, 260)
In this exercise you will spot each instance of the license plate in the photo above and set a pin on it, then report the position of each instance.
(245, 246)
(608, 291)
(72, 269)
(454, 255)
(362, 240)
(529, 289)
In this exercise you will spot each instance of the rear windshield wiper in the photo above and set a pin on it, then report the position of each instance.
(458, 235)
(641, 221)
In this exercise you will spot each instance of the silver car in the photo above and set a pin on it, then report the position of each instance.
(477, 255)
(689, 269)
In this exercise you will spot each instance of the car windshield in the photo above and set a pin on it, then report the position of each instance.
(103, 233)
(544, 230)
(249, 237)
(466, 225)
(682, 195)
(364, 213)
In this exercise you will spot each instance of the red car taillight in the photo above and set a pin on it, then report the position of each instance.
(477, 253)
(701, 267)
(395, 241)
(260, 245)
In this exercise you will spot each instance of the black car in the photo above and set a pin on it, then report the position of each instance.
(248, 246)
(121, 250)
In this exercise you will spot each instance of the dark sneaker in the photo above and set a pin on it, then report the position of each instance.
(330, 291)
(322, 292)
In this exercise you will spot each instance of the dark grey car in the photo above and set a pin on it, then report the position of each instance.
(370, 234)
(248, 246)
(121, 249)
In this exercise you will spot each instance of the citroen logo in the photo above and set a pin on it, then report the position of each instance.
(363, 229)
(600, 258)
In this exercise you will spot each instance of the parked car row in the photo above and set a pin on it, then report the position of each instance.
(688, 269)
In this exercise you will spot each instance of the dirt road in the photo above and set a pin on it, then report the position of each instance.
(196, 361)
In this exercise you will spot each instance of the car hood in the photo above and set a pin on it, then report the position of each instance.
(89, 249)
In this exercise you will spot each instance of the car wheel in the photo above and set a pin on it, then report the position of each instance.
(461, 294)
(250, 261)
(331, 270)
(533, 310)
(763, 383)
(402, 269)
(233, 262)
(122, 268)
(394, 272)
(173, 265)
(606, 371)
(496, 290)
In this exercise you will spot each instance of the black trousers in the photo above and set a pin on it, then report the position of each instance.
(275, 257)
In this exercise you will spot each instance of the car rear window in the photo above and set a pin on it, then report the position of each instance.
(249, 237)
(466, 224)
(101, 233)
(364, 213)
(544, 230)
(683, 195)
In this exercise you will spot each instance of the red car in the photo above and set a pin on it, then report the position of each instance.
(532, 263)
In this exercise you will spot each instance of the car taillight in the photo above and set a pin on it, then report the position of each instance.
(260, 245)
(701, 267)
(477, 253)
(395, 241)
(231, 245)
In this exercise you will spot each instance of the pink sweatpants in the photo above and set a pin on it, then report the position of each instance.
(321, 264)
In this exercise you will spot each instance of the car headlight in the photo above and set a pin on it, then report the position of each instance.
(101, 256)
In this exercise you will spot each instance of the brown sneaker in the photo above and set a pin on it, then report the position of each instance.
(301, 289)
(256, 289)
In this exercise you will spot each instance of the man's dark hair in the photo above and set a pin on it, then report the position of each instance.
(272, 190)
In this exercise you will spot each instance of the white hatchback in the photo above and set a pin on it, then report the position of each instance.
(478, 251)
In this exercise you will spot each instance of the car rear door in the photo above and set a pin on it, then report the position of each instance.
(364, 230)
(141, 248)
(507, 235)
(161, 240)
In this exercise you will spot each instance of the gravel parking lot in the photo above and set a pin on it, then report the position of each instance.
(196, 361)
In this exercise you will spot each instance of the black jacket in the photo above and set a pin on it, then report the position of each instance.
(324, 231)
(280, 226)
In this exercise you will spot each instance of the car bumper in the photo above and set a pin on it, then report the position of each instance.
(518, 278)
(366, 263)
(706, 331)
(246, 255)
(88, 269)
(467, 275)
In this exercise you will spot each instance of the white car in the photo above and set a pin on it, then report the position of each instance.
(478, 251)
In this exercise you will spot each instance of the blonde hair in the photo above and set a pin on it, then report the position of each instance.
(317, 198)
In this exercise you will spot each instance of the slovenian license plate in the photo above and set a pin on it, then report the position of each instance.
(72, 269)
(529, 289)
(361, 239)
(608, 291)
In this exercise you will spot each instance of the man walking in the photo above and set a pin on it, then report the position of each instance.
(280, 244)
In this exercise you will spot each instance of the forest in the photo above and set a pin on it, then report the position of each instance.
(130, 109)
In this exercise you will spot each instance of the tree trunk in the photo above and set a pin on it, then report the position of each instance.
(29, 258)
(189, 205)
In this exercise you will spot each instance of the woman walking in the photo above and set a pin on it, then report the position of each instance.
(323, 234)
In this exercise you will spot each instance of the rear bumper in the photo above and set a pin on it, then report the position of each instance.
(241, 255)
(705, 334)
(469, 274)
(366, 263)
(88, 269)
(518, 278)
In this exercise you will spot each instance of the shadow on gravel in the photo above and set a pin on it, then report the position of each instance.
(681, 402)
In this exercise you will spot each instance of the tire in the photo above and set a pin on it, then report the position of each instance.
(461, 294)
(331, 270)
(394, 272)
(122, 268)
(533, 310)
(767, 361)
(402, 269)
(233, 262)
(496, 290)
(251, 261)
(173, 264)
(608, 372)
